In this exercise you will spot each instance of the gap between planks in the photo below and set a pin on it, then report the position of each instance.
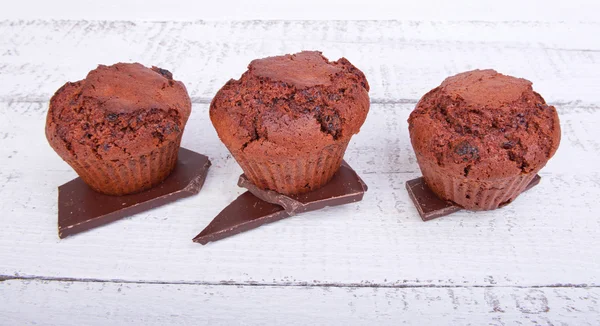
(4, 278)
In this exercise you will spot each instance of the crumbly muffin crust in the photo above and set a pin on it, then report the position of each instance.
(483, 125)
(291, 105)
(117, 112)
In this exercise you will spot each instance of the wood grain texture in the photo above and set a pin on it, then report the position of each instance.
(535, 261)
(402, 60)
(60, 303)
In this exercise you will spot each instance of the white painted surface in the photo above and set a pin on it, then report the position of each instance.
(548, 237)
(402, 60)
(439, 10)
(60, 303)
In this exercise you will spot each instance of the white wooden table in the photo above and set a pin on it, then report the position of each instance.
(536, 261)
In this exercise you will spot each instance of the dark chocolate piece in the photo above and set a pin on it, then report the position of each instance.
(345, 187)
(80, 208)
(431, 206)
(245, 213)
(257, 207)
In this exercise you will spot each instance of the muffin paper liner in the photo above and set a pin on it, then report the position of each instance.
(294, 175)
(131, 175)
(475, 194)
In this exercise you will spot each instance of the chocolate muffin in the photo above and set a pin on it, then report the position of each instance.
(288, 119)
(481, 137)
(119, 128)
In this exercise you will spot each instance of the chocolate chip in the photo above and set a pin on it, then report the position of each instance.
(521, 119)
(331, 122)
(334, 97)
(467, 170)
(112, 117)
(158, 135)
(310, 97)
(467, 150)
(164, 72)
(508, 145)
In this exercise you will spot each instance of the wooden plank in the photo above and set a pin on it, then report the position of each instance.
(433, 10)
(81, 303)
(402, 60)
(548, 236)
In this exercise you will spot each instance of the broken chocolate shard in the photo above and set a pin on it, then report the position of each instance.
(245, 213)
(345, 187)
(431, 206)
(257, 207)
(80, 208)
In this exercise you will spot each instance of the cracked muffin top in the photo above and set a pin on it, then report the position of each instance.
(291, 105)
(484, 125)
(117, 111)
